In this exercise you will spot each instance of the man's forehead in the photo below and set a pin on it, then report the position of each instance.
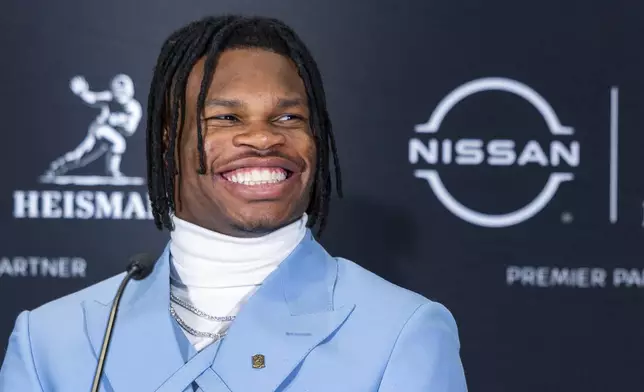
(248, 72)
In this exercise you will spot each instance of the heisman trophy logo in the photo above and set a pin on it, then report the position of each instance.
(68, 197)
(494, 152)
(119, 117)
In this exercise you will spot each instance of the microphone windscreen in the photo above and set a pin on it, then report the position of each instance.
(144, 263)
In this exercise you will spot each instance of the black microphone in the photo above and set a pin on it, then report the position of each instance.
(140, 267)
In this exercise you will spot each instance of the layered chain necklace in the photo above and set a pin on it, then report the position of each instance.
(178, 301)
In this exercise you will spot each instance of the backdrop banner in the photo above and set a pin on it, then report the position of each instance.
(491, 154)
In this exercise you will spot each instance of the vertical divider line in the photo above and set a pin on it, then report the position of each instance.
(614, 129)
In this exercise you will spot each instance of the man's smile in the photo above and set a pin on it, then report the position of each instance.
(254, 176)
(258, 178)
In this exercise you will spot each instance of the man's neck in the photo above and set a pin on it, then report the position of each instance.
(203, 258)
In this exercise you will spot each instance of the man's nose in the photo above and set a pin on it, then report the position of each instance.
(259, 137)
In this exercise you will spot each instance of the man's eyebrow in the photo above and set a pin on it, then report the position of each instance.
(229, 103)
(284, 103)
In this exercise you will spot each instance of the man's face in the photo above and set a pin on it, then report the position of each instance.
(259, 149)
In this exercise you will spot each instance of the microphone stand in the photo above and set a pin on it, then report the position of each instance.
(110, 326)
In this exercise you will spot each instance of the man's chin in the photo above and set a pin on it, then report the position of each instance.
(261, 225)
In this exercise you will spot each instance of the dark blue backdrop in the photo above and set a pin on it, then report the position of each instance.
(525, 218)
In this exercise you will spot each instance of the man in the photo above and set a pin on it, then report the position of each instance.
(108, 131)
(243, 298)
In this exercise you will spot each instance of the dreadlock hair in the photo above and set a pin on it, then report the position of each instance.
(208, 38)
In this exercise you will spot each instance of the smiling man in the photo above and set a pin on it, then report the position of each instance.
(243, 298)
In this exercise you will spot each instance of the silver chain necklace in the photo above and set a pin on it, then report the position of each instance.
(194, 332)
(200, 313)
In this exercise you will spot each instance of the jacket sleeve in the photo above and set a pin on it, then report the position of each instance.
(18, 372)
(426, 355)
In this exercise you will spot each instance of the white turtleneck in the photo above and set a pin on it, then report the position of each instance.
(216, 273)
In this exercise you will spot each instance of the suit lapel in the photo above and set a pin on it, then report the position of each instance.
(291, 314)
(144, 351)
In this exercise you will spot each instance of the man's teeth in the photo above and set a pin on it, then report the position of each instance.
(256, 176)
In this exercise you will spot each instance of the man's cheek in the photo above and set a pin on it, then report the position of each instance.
(208, 145)
(210, 154)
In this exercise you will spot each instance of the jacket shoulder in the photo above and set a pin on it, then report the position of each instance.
(376, 295)
(364, 285)
(59, 308)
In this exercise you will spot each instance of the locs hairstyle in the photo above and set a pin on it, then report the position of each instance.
(208, 38)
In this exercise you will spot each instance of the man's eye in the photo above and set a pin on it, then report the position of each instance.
(289, 117)
(225, 117)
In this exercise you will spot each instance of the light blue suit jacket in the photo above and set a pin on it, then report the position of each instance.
(323, 324)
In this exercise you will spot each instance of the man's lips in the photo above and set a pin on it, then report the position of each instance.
(260, 163)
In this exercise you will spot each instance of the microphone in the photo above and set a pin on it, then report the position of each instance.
(140, 267)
